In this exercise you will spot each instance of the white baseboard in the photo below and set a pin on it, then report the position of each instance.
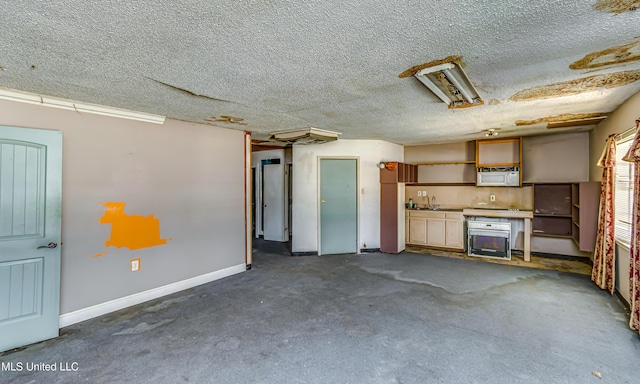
(137, 298)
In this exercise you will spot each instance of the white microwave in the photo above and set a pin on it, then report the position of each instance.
(498, 177)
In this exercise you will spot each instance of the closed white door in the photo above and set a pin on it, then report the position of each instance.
(30, 215)
(273, 201)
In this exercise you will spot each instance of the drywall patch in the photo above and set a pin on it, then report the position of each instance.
(616, 6)
(493, 102)
(578, 86)
(130, 231)
(610, 56)
(562, 118)
(449, 59)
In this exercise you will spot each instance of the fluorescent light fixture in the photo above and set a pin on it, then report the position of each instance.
(450, 83)
(71, 105)
(304, 136)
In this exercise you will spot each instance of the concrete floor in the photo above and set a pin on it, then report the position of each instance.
(373, 318)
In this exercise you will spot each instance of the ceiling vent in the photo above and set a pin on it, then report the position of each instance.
(304, 136)
(449, 82)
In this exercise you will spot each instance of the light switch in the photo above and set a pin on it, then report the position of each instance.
(419, 193)
(135, 265)
(424, 193)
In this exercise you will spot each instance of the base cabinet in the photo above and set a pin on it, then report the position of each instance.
(436, 232)
(454, 230)
(436, 228)
(417, 230)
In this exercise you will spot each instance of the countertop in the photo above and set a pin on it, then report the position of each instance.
(436, 210)
(492, 212)
(480, 211)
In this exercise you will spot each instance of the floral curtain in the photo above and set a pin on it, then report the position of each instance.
(633, 155)
(603, 273)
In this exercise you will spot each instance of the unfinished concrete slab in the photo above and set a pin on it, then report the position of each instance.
(371, 318)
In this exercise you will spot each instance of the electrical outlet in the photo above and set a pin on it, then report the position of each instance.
(424, 193)
(492, 197)
(419, 193)
(135, 265)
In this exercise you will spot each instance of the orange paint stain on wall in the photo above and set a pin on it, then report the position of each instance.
(99, 254)
(130, 231)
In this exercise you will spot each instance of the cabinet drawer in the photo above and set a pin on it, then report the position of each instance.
(453, 215)
(431, 214)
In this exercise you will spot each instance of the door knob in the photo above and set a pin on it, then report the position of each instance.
(50, 245)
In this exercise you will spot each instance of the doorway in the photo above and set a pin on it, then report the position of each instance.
(273, 201)
(338, 206)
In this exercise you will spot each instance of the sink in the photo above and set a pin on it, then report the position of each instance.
(438, 208)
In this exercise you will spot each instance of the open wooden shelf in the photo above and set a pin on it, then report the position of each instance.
(447, 162)
(551, 235)
(549, 215)
(442, 184)
(567, 210)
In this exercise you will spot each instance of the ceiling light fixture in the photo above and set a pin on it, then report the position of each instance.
(491, 132)
(55, 102)
(304, 136)
(450, 83)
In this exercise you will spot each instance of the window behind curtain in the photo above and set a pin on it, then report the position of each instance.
(623, 194)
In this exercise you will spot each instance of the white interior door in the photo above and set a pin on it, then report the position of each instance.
(273, 202)
(30, 212)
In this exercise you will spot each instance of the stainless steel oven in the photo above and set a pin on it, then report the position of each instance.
(489, 239)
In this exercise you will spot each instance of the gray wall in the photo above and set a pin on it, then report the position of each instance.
(556, 158)
(189, 176)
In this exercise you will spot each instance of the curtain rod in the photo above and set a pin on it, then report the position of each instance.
(625, 132)
(628, 130)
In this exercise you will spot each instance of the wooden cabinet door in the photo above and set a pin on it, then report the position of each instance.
(454, 235)
(436, 232)
(417, 230)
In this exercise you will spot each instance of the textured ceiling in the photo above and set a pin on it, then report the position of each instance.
(285, 64)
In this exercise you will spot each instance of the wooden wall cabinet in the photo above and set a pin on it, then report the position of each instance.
(567, 210)
(505, 152)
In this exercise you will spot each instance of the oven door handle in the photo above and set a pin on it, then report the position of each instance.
(490, 232)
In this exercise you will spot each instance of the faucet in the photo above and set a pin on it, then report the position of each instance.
(428, 202)
(433, 202)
